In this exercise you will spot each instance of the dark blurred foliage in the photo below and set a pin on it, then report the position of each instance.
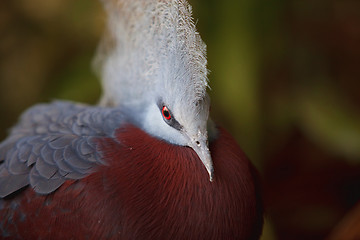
(285, 81)
(46, 49)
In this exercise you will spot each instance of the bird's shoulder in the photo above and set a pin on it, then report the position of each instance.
(54, 142)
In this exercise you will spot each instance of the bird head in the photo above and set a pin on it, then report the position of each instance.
(153, 65)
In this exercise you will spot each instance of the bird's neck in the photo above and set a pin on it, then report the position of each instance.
(159, 189)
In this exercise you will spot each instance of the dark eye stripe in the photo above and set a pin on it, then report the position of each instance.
(175, 124)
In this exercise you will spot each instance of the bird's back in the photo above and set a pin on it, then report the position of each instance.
(52, 143)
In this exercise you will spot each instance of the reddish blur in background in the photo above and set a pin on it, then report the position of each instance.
(285, 78)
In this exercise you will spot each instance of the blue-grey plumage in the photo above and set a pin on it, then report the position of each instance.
(52, 143)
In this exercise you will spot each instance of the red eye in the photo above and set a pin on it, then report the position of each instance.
(165, 112)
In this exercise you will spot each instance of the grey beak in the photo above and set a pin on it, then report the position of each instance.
(202, 150)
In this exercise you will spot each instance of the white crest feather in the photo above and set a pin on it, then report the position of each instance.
(151, 45)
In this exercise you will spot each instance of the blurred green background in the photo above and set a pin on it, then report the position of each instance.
(285, 79)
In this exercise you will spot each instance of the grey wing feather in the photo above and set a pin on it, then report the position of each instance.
(52, 143)
(10, 181)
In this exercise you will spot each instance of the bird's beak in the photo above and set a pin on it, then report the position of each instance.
(200, 146)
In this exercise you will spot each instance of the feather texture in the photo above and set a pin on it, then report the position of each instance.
(151, 46)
